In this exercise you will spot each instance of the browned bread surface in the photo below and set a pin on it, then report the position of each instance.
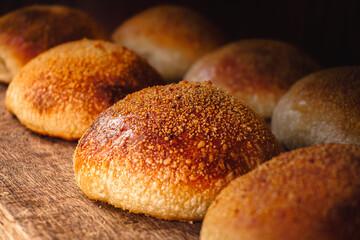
(323, 107)
(170, 37)
(166, 151)
(61, 91)
(258, 71)
(309, 193)
(28, 31)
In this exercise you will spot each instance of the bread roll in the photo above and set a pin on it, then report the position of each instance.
(305, 194)
(61, 91)
(26, 32)
(256, 70)
(167, 151)
(170, 37)
(323, 107)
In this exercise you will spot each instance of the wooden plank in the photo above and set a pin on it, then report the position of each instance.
(39, 198)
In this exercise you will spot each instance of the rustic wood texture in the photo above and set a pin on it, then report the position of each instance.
(39, 198)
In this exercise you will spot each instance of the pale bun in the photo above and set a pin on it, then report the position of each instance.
(323, 107)
(306, 194)
(167, 151)
(28, 31)
(60, 92)
(170, 37)
(259, 71)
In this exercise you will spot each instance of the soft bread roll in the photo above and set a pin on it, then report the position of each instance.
(61, 91)
(167, 151)
(26, 32)
(258, 71)
(305, 194)
(323, 107)
(170, 37)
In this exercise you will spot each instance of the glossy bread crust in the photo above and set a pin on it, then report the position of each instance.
(259, 71)
(170, 37)
(321, 108)
(305, 194)
(27, 32)
(61, 91)
(167, 151)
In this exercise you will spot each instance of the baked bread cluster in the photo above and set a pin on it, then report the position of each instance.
(170, 37)
(259, 71)
(308, 193)
(167, 151)
(29, 31)
(171, 151)
(60, 92)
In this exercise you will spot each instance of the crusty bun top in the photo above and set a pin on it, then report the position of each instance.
(28, 31)
(258, 71)
(309, 193)
(61, 91)
(170, 37)
(323, 107)
(175, 146)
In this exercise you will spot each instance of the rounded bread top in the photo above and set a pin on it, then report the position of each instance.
(181, 124)
(31, 30)
(322, 107)
(170, 37)
(61, 91)
(259, 71)
(188, 138)
(308, 193)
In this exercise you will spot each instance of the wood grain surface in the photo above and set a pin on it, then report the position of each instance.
(39, 198)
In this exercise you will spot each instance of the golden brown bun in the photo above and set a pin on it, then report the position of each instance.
(167, 151)
(257, 71)
(170, 37)
(323, 107)
(26, 32)
(61, 91)
(305, 194)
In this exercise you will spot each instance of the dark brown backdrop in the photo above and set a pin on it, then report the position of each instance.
(328, 29)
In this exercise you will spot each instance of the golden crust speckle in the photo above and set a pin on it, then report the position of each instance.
(60, 92)
(176, 136)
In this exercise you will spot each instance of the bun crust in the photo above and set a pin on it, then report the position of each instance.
(309, 193)
(256, 70)
(321, 108)
(61, 91)
(167, 151)
(170, 37)
(27, 32)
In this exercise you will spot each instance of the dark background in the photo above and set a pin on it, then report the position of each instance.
(327, 30)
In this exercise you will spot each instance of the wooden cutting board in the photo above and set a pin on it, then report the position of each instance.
(39, 198)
